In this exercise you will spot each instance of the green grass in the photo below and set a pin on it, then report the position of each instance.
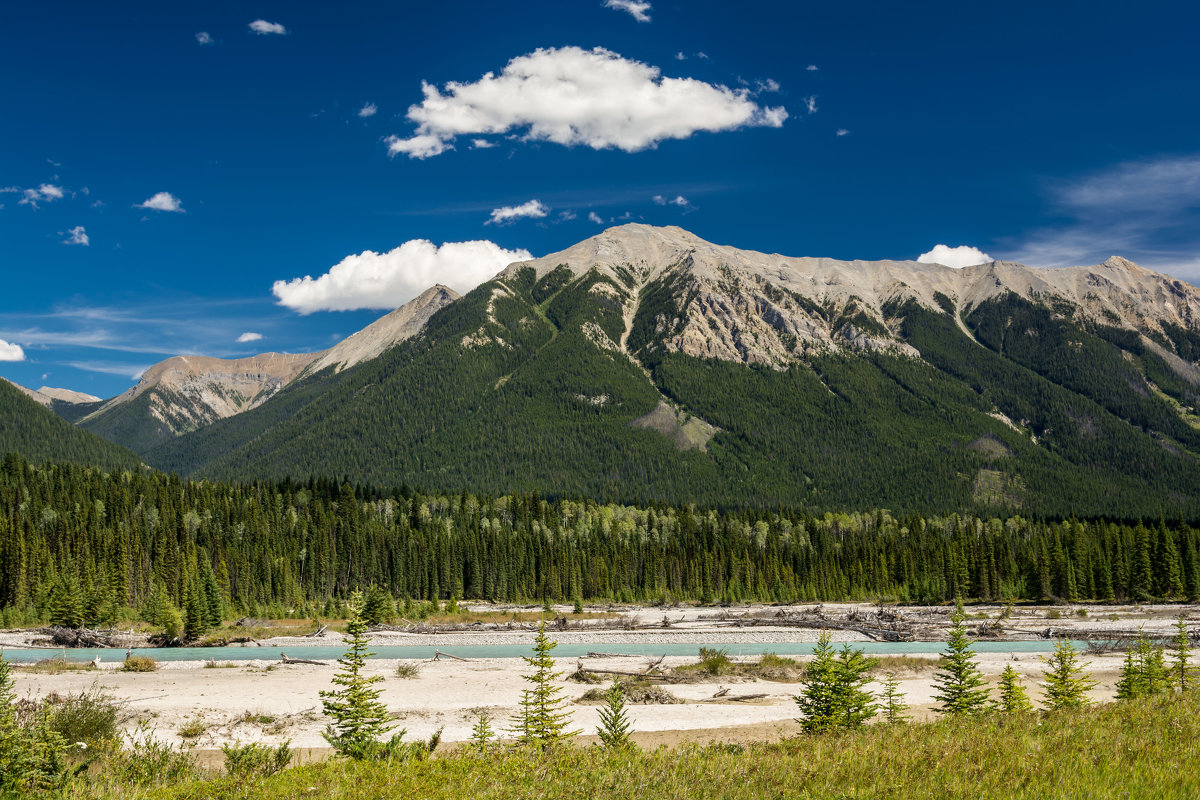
(1131, 749)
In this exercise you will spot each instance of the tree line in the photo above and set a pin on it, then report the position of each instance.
(82, 546)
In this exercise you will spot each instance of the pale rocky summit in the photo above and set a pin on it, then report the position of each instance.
(46, 395)
(386, 332)
(751, 307)
(187, 392)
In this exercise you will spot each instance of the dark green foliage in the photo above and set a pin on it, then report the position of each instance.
(38, 435)
(359, 718)
(615, 731)
(279, 547)
(1066, 684)
(833, 693)
(482, 734)
(542, 720)
(960, 688)
(378, 606)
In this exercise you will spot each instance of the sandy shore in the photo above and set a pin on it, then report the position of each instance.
(266, 701)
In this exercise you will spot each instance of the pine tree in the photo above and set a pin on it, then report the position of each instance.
(1143, 673)
(482, 733)
(832, 694)
(359, 718)
(542, 720)
(1066, 684)
(32, 759)
(614, 730)
(958, 686)
(195, 620)
(1013, 697)
(65, 607)
(1181, 648)
(892, 702)
(378, 607)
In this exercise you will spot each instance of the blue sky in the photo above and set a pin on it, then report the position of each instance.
(211, 154)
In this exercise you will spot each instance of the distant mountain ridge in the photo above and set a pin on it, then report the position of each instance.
(647, 364)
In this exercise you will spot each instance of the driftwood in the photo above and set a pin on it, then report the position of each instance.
(437, 655)
(626, 673)
(735, 698)
(316, 633)
(79, 637)
(611, 655)
(721, 692)
(287, 660)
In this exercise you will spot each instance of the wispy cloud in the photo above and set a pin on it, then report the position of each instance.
(46, 193)
(1147, 211)
(203, 37)
(250, 336)
(132, 371)
(534, 209)
(571, 96)
(842, 132)
(262, 27)
(635, 8)
(677, 200)
(810, 104)
(596, 218)
(368, 110)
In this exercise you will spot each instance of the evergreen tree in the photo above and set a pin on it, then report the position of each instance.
(832, 693)
(32, 759)
(1143, 673)
(614, 730)
(195, 619)
(378, 606)
(359, 718)
(1182, 676)
(958, 685)
(892, 702)
(542, 720)
(1013, 697)
(482, 733)
(1066, 684)
(65, 607)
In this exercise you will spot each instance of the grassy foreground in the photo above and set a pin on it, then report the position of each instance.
(1131, 749)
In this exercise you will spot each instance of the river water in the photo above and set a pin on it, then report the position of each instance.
(332, 653)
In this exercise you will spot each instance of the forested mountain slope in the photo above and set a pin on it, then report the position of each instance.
(29, 429)
(646, 364)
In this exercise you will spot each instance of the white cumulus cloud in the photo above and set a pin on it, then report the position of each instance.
(162, 201)
(596, 218)
(11, 352)
(571, 96)
(842, 132)
(388, 280)
(203, 37)
(534, 209)
(678, 200)
(810, 104)
(77, 235)
(957, 257)
(635, 8)
(261, 26)
(368, 110)
(249, 336)
(482, 144)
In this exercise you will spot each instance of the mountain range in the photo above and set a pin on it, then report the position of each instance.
(647, 364)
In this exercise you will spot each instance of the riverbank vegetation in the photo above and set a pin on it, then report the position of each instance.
(80, 546)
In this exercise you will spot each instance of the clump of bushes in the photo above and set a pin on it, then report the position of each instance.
(250, 760)
(139, 664)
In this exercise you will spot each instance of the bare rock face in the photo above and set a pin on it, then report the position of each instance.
(46, 395)
(385, 332)
(187, 392)
(759, 308)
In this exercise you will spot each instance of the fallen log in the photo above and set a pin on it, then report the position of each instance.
(437, 654)
(286, 660)
(735, 698)
(317, 632)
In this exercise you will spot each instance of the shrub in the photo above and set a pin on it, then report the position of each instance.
(90, 717)
(249, 760)
(404, 670)
(194, 728)
(139, 664)
(149, 761)
(715, 661)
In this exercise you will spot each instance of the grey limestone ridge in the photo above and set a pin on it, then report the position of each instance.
(729, 304)
(766, 308)
(46, 395)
